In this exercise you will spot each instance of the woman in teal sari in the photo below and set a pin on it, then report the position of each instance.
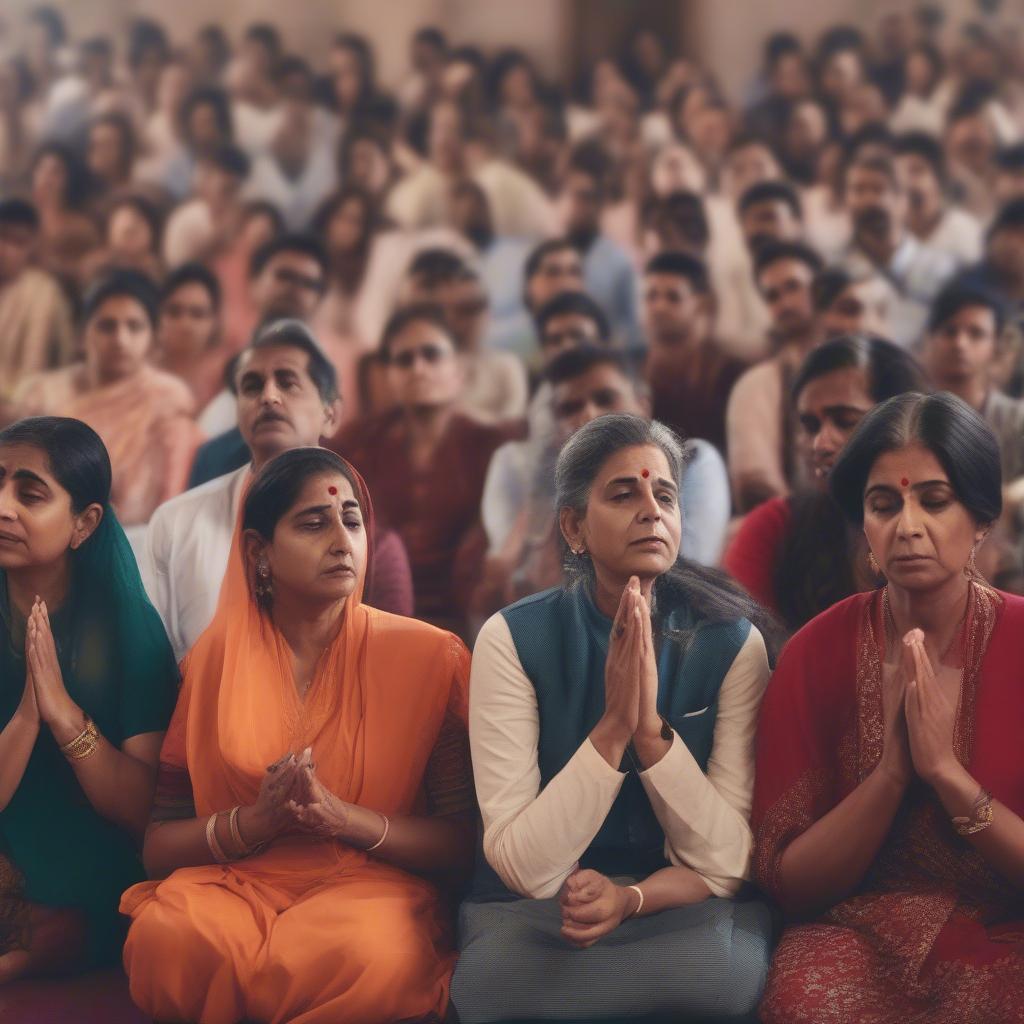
(87, 687)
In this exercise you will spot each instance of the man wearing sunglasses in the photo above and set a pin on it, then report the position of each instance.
(424, 462)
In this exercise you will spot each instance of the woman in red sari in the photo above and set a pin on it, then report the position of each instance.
(889, 782)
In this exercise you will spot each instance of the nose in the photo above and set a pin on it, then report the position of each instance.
(826, 440)
(908, 524)
(271, 394)
(341, 539)
(7, 512)
(650, 509)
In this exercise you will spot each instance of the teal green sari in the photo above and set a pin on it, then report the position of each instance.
(117, 664)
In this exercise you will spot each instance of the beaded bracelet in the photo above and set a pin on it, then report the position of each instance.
(981, 816)
(85, 744)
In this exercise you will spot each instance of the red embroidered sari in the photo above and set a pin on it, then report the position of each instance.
(932, 933)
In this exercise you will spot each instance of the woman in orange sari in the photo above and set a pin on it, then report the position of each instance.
(889, 791)
(296, 892)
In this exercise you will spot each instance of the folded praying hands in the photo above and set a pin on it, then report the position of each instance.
(293, 800)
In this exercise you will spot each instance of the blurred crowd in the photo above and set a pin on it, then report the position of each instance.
(488, 259)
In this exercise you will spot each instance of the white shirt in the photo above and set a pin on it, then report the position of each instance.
(186, 556)
(534, 838)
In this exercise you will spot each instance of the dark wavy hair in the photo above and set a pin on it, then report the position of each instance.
(814, 568)
(709, 594)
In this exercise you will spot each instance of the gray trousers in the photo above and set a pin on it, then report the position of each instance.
(708, 960)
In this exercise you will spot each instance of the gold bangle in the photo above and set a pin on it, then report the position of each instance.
(981, 816)
(85, 744)
(211, 839)
(236, 836)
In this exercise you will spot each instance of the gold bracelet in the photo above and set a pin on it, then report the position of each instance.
(85, 744)
(211, 839)
(981, 816)
(241, 850)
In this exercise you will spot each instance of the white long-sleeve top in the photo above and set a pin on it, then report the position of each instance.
(533, 837)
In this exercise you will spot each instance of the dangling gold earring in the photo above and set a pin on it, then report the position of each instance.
(971, 568)
(873, 563)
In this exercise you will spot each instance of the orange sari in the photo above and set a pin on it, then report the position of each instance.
(309, 930)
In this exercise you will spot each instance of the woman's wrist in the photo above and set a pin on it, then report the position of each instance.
(955, 787)
(255, 827)
(66, 722)
(629, 902)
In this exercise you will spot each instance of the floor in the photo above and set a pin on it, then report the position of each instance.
(100, 998)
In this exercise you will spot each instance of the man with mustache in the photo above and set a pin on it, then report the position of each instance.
(287, 398)
(877, 204)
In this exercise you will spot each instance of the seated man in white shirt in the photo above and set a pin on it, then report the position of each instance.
(877, 203)
(287, 398)
(931, 217)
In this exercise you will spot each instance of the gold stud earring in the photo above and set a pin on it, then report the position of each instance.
(873, 563)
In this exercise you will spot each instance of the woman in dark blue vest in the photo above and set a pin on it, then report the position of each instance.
(612, 725)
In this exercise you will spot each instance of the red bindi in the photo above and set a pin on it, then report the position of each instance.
(904, 482)
(332, 490)
(645, 473)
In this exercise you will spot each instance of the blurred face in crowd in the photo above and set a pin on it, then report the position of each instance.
(445, 138)
(770, 220)
(203, 128)
(187, 325)
(175, 81)
(217, 186)
(1005, 253)
(865, 105)
(347, 226)
(106, 156)
(369, 166)
(16, 243)
(129, 232)
(602, 389)
(877, 206)
(750, 165)
(971, 143)
(346, 77)
(786, 288)
(963, 349)
(806, 131)
(789, 77)
(922, 187)
(565, 332)
(290, 285)
(842, 75)
(117, 339)
(279, 406)
(860, 308)
(49, 181)
(426, 57)
(582, 205)
(1009, 185)
(424, 369)
(471, 214)
(919, 74)
(676, 169)
(559, 270)
(675, 314)
(829, 408)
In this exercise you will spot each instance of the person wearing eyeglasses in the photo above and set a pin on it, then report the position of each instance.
(425, 462)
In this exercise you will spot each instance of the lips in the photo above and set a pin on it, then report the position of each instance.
(340, 570)
(266, 418)
(9, 538)
(650, 540)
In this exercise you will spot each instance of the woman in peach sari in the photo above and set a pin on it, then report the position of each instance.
(295, 892)
(143, 414)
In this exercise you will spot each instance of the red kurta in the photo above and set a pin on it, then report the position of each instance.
(932, 933)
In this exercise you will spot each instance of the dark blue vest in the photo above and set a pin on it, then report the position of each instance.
(561, 639)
